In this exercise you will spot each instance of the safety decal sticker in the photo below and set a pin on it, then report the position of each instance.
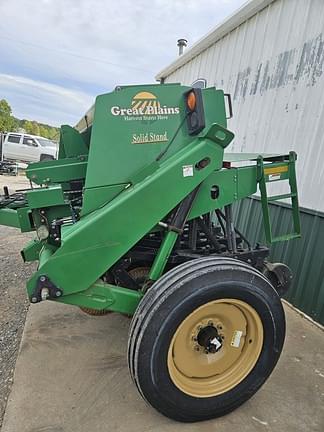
(187, 170)
(236, 338)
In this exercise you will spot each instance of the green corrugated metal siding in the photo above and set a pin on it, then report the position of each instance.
(304, 256)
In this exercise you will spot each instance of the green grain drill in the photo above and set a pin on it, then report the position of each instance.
(135, 217)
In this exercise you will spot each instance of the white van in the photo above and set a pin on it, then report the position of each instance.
(28, 148)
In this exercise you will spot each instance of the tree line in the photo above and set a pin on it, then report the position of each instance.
(9, 123)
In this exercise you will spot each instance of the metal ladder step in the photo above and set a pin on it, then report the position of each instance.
(279, 171)
(281, 197)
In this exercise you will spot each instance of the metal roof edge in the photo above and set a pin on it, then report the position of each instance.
(229, 24)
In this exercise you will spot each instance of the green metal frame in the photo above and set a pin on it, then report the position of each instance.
(102, 296)
(162, 256)
(116, 161)
(63, 170)
(89, 248)
(9, 217)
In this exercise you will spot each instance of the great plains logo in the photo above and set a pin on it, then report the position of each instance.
(145, 106)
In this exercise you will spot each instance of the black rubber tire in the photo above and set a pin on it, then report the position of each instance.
(45, 158)
(168, 302)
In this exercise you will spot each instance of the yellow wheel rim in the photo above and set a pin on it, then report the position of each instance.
(200, 373)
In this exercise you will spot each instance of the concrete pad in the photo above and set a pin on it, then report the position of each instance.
(71, 376)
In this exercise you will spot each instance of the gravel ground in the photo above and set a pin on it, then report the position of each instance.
(13, 304)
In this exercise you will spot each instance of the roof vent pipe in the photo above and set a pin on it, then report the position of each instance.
(182, 43)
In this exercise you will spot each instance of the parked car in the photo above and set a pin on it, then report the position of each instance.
(28, 148)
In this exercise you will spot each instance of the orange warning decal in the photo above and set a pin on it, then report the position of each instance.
(276, 170)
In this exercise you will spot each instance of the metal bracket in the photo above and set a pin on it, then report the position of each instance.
(279, 275)
(122, 277)
(45, 290)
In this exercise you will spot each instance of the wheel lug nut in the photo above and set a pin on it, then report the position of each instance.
(210, 323)
(197, 348)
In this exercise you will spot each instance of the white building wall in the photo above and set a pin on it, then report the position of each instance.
(272, 64)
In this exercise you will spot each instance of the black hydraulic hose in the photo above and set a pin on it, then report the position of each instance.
(219, 212)
(230, 231)
(220, 221)
(163, 152)
(181, 214)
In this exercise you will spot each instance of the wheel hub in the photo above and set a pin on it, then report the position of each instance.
(215, 347)
(209, 339)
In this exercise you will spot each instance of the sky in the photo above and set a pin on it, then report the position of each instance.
(57, 55)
